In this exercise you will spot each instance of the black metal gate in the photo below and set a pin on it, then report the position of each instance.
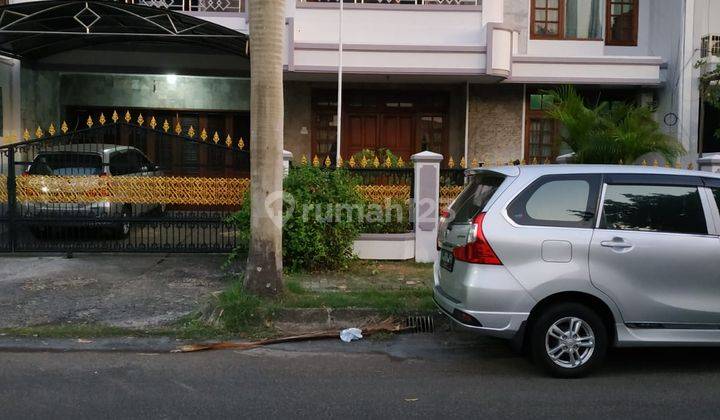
(121, 185)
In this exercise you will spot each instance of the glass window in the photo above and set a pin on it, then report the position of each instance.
(563, 201)
(66, 164)
(475, 196)
(622, 21)
(567, 19)
(583, 19)
(654, 208)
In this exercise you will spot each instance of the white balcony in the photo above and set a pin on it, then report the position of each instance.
(440, 37)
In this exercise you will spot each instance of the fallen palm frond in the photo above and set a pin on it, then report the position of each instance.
(389, 325)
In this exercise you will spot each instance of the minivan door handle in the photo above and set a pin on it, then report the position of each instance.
(616, 243)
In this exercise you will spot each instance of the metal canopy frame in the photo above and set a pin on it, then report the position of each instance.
(35, 30)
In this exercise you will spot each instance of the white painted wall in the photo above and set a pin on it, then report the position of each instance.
(391, 27)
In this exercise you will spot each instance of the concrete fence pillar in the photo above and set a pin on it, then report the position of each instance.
(287, 158)
(426, 204)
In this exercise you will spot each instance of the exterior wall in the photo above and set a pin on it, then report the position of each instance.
(160, 92)
(298, 122)
(40, 103)
(495, 123)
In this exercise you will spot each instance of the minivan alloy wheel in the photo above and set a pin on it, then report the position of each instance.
(570, 342)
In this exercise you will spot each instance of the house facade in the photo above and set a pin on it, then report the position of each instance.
(463, 78)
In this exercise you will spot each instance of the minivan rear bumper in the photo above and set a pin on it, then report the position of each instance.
(502, 324)
(512, 321)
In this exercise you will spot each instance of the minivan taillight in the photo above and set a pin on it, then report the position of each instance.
(477, 250)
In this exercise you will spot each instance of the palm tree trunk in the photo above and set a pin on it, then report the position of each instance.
(267, 26)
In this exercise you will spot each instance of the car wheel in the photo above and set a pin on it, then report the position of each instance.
(569, 340)
(122, 229)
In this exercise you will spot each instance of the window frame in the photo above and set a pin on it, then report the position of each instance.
(560, 36)
(539, 114)
(608, 19)
(703, 190)
(594, 196)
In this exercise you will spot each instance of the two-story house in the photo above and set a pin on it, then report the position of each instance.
(464, 78)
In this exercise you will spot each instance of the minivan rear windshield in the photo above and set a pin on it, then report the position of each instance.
(66, 164)
(475, 196)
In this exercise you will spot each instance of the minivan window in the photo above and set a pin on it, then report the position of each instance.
(557, 200)
(654, 208)
(475, 196)
(66, 164)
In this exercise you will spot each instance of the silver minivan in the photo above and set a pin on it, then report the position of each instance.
(568, 260)
(85, 164)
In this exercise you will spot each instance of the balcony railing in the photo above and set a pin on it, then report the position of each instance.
(229, 6)
(710, 46)
(400, 2)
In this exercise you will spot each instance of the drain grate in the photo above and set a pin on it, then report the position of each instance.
(420, 324)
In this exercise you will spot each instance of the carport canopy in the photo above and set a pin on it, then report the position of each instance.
(35, 30)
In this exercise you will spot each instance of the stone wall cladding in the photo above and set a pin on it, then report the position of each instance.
(495, 123)
(298, 116)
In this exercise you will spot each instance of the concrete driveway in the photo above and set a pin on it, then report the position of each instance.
(132, 291)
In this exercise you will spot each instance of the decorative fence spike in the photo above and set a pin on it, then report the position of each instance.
(351, 162)
(475, 163)
(26, 135)
(115, 117)
(678, 165)
(363, 162)
(216, 137)
(340, 162)
(153, 122)
(656, 163)
(388, 162)
(644, 162)
(546, 162)
(51, 129)
(522, 162)
(39, 133)
(621, 162)
(400, 162)
(178, 128)
(241, 144)
(303, 160)
(451, 163)
(328, 162)
(166, 126)
(463, 163)
(128, 117)
(228, 141)
(316, 161)
(376, 162)
(203, 135)
(64, 127)
(191, 132)
(534, 161)
(140, 119)
(89, 122)
(667, 165)
(102, 119)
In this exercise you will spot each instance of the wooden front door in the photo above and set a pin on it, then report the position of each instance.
(404, 122)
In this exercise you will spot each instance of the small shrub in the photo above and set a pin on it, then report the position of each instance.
(320, 230)
(398, 222)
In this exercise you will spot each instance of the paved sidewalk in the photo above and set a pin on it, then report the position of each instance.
(130, 291)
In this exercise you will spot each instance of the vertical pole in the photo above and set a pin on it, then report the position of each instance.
(12, 199)
(340, 84)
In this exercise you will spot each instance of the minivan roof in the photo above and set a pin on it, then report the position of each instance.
(538, 170)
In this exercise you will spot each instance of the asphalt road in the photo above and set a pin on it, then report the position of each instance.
(429, 376)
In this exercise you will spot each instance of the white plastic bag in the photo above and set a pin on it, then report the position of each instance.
(351, 334)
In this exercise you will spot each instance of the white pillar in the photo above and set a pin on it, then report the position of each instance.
(287, 158)
(426, 202)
